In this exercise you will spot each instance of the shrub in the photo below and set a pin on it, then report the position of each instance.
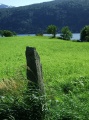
(39, 34)
(7, 33)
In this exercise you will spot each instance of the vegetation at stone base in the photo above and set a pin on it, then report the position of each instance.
(35, 18)
(18, 103)
(7, 33)
(66, 34)
(84, 35)
(66, 76)
(51, 29)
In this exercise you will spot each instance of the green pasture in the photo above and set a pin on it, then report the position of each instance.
(65, 67)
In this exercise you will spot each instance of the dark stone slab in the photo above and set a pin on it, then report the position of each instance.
(34, 68)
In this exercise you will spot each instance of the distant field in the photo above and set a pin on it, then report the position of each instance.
(58, 57)
(65, 69)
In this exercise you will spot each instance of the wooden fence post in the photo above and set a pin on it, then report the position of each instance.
(34, 75)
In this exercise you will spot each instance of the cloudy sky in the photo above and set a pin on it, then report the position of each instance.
(21, 2)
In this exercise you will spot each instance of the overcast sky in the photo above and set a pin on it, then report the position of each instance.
(21, 2)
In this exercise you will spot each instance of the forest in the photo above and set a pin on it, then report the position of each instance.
(35, 18)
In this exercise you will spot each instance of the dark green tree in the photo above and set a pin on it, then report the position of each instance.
(66, 34)
(51, 29)
(7, 33)
(84, 34)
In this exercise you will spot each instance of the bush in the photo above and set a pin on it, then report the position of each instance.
(7, 33)
(39, 34)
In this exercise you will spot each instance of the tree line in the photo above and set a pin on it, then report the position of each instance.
(66, 33)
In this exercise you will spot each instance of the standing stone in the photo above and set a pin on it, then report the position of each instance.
(35, 84)
(34, 68)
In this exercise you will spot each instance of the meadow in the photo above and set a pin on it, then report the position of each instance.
(65, 66)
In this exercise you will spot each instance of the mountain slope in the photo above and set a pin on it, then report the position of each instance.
(35, 18)
(5, 6)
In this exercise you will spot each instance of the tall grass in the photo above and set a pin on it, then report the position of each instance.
(65, 70)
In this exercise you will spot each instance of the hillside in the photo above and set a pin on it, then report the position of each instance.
(5, 6)
(35, 18)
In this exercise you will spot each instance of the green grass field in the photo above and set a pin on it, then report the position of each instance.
(65, 69)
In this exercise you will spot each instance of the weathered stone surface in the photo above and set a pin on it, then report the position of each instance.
(34, 68)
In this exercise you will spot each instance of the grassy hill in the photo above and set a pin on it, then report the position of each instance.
(65, 69)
